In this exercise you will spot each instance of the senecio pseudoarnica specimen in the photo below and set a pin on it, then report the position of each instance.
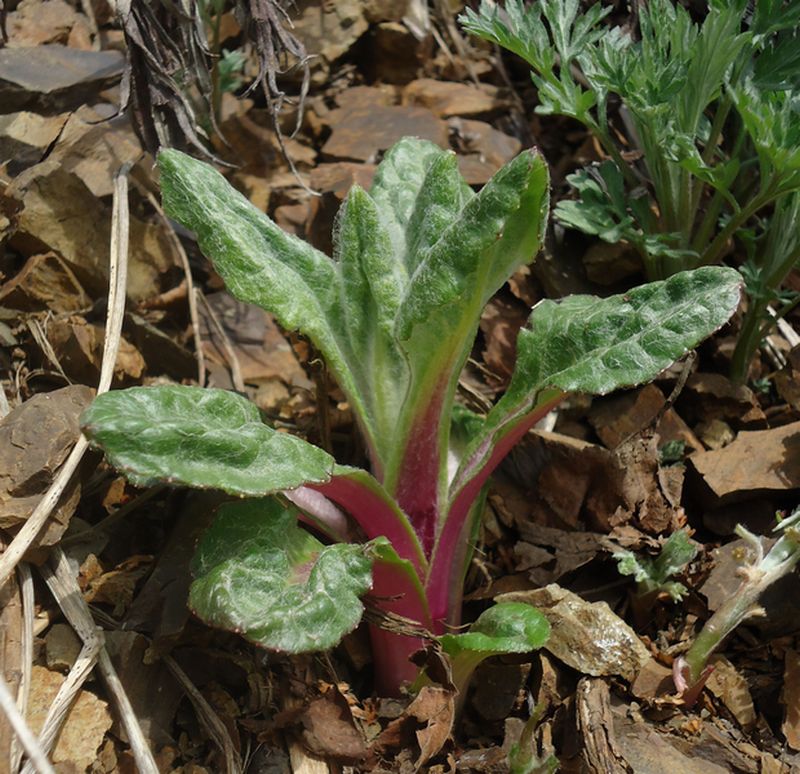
(394, 312)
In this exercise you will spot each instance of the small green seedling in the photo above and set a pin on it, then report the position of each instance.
(394, 313)
(523, 758)
(508, 627)
(758, 573)
(652, 576)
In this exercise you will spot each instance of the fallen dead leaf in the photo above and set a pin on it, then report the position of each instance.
(117, 586)
(714, 396)
(78, 347)
(435, 707)
(330, 732)
(728, 685)
(44, 282)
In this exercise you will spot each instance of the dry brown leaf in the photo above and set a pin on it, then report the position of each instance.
(435, 707)
(116, 587)
(330, 732)
(730, 687)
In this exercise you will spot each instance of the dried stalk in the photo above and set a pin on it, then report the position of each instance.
(118, 273)
(30, 744)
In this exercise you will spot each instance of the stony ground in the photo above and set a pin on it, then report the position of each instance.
(622, 472)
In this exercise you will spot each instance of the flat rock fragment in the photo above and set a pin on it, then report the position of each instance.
(25, 136)
(589, 637)
(360, 134)
(54, 78)
(84, 728)
(36, 23)
(620, 416)
(35, 438)
(759, 462)
(483, 149)
(448, 98)
(52, 208)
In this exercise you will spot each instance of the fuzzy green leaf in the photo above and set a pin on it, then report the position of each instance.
(591, 345)
(595, 346)
(199, 437)
(653, 575)
(259, 574)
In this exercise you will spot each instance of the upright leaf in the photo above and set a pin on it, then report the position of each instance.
(590, 345)
(496, 231)
(262, 264)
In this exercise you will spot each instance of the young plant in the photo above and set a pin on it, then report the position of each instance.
(758, 573)
(710, 116)
(508, 627)
(652, 576)
(394, 313)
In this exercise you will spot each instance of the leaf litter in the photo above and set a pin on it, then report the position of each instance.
(557, 514)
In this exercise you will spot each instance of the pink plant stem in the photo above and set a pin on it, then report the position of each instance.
(394, 593)
(445, 578)
(417, 488)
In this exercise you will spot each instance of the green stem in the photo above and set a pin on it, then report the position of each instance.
(736, 608)
(714, 251)
(216, 94)
(709, 221)
(748, 342)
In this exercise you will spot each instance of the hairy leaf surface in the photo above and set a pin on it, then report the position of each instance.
(259, 574)
(590, 345)
(201, 438)
(596, 346)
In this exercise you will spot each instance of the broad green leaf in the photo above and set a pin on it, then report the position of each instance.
(396, 189)
(259, 574)
(496, 231)
(201, 438)
(591, 345)
(263, 265)
(260, 263)
(507, 627)
(595, 346)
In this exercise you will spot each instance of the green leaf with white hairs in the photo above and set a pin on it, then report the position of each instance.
(204, 438)
(261, 575)
(653, 575)
(591, 345)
